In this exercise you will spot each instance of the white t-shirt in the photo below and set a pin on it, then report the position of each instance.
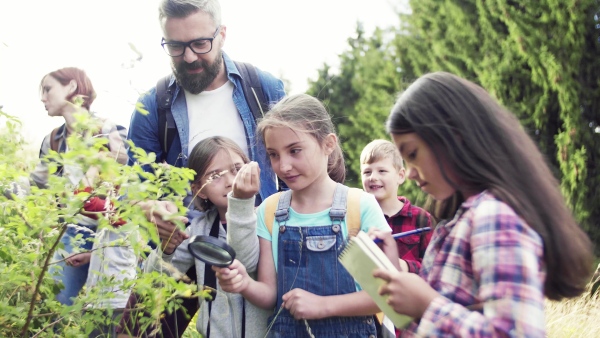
(213, 113)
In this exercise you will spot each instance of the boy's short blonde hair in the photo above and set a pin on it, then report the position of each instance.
(378, 150)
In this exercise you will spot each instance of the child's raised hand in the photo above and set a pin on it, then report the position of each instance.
(304, 305)
(407, 293)
(247, 181)
(233, 278)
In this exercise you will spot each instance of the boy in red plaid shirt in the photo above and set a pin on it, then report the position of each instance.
(382, 173)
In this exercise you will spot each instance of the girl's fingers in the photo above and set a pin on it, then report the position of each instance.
(384, 290)
(247, 173)
(242, 177)
(247, 181)
(255, 172)
(225, 275)
(383, 274)
(171, 208)
(288, 304)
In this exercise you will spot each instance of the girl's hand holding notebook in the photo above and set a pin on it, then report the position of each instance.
(361, 257)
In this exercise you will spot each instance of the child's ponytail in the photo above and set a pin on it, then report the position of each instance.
(336, 167)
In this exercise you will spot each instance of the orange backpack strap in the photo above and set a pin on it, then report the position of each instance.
(353, 211)
(270, 208)
(353, 223)
(53, 142)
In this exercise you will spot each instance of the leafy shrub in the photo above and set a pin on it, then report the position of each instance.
(32, 221)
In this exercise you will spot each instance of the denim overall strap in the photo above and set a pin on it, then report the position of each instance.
(307, 259)
(337, 213)
(282, 213)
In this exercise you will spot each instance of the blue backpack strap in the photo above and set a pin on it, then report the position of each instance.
(167, 129)
(339, 205)
(252, 89)
(282, 213)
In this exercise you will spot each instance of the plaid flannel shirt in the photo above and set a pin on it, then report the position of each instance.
(411, 248)
(487, 264)
(39, 176)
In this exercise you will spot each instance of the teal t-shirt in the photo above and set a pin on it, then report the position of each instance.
(371, 215)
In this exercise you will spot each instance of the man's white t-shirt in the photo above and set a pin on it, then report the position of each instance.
(213, 113)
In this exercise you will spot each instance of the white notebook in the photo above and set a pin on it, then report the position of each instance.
(361, 257)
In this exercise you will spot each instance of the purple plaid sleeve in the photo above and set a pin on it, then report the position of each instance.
(487, 265)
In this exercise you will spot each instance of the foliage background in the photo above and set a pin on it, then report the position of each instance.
(33, 220)
(538, 58)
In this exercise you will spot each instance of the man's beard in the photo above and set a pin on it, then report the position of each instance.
(196, 83)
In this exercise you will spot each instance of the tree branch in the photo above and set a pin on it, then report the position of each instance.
(40, 279)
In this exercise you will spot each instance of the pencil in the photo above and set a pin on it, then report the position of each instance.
(404, 234)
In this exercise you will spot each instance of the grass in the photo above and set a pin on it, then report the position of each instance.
(574, 318)
(191, 332)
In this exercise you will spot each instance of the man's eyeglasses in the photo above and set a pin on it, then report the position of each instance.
(198, 46)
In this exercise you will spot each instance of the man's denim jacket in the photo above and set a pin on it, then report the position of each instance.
(143, 129)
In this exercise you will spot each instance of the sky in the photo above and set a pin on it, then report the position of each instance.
(291, 39)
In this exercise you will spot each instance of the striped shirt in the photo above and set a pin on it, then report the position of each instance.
(487, 264)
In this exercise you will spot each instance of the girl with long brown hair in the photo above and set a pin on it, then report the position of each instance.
(506, 237)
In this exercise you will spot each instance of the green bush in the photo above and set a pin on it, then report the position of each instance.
(33, 220)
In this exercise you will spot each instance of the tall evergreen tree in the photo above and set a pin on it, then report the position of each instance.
(540, 59)
(359, 97)
(374, 79)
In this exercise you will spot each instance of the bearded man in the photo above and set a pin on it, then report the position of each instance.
(207, 95)
(207, 99)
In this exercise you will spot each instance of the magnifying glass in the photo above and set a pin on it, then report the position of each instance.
(211, 250)
(214, 251)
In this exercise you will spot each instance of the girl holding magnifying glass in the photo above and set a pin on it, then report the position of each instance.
(298, 270)
(221, 168)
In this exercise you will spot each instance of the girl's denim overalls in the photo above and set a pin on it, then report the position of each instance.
(308, 259)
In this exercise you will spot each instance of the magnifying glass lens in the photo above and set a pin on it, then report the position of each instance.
(210, 253)
(211, 250)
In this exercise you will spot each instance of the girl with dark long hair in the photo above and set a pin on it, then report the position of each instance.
(506, 237)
